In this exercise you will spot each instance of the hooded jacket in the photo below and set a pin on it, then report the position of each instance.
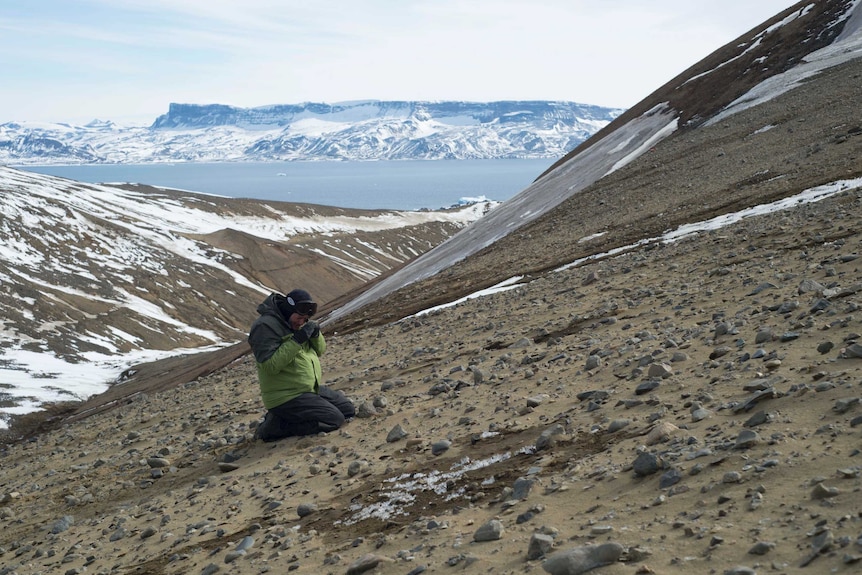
(285, 368)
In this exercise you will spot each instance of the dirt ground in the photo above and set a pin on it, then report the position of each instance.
(696, 405)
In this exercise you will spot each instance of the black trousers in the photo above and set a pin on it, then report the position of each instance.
(306, 414)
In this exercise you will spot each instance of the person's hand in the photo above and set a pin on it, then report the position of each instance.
(310, 329)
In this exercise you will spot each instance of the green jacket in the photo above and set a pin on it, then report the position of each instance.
(285, 369)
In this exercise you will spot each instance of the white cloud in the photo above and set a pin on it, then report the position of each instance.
(125, 59)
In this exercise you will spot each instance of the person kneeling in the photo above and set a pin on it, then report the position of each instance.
(287, 346)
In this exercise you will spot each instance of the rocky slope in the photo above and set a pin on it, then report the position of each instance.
(695, 404)
(673, 407)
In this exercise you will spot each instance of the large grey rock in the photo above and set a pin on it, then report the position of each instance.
(582, 559)
(646, 464)
(397, 433)
(365, 563)
(491, 531)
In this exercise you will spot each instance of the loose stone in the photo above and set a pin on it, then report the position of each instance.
(746, 439)
(719, 352)
(582, 559)
(62, 524)
(853, 350)
(700, 414)
(366, 563)
(356, 467)
(661, 431)
(661, 370)
(740, 571)
(491, 531)
(761, 548)
(439, 447)
(397, 433)
(305, 509)
(647, 386)
(521, 489)
(618, 424)
(669, 478)
(540, 545)
(821, 491)
(825, 347)
(366, 409)
(646, 464)
(731, 477)
(759, 418)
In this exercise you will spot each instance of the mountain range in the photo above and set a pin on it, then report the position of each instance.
(648, 361)
(363, 130)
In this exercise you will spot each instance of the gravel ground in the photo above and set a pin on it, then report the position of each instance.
(692, 407)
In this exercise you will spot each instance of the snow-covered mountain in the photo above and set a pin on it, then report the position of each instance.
(366, 130)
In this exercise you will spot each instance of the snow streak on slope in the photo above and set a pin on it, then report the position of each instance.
(545, 194)
(807, 197)
(847, 47)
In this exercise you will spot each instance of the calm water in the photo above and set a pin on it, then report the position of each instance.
(402, 185)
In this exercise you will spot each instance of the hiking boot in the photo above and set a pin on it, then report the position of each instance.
(261, 431)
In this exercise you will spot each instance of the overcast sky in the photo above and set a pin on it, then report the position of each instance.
(127, 60)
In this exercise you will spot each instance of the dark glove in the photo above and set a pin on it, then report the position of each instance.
(310, 329)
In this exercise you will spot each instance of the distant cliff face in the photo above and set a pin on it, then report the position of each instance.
(366, 130)
(539, 113)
